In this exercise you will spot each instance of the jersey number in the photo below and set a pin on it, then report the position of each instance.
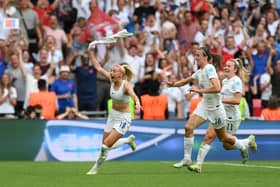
(218, 121)
(229, 126)
(123, 125)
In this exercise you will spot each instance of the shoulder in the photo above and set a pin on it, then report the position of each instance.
(209, 68)
(237, 81)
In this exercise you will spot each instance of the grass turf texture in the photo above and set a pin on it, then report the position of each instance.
(135, 174)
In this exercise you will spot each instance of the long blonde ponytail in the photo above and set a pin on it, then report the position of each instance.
(127, 71)
(242, 72)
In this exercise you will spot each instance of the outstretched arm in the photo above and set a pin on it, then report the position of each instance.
(215, 88)
(180, 82)
(96, 64)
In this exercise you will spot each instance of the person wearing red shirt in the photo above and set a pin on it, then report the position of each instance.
(43, 9)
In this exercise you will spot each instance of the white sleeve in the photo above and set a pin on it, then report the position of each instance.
(14, 92)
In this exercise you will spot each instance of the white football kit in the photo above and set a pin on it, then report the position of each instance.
(230, 88)
(210, 108)
(118, 120)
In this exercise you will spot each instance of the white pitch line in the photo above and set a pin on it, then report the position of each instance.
(232, 164)
(242, 165)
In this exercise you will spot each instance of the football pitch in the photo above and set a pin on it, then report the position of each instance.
(139, 173)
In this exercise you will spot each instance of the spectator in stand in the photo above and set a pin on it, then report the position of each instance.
(275, 77)
(187, 28)
(8, 97)
(265, 81)
(44, 64)
(44, 9)
(154, 104)
(29, 113)
(71, 113)
(33, 112)
(174, 99)
(272, 21)
(15, 72)
(44, 98)
(3, 57)
(67, 14)
(31, 80)
(85, 76)
(201, 36)
(54, 53)
(260, 61)
(3, 7)
(191, 54)
(124, 9)
(30, 25)
(150, 75)
(134, 61)
(260, 35)
(141, 12)
(27, 63)
(54, 30)
(82, 8)
(75, 36)
(65, 90)
(272, 112)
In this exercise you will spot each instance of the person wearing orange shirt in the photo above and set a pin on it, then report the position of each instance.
(272, 112)
(44, 98)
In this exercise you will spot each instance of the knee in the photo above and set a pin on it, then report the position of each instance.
(222, 138)
(209, 138)
(188, 130)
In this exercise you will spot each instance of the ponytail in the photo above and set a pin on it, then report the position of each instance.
(242, 72)
(127, 71)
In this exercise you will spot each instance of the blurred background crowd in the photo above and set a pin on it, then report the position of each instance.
(45, 71)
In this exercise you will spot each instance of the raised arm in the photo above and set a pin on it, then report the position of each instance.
(55, 3)
(51, 68)
(21, 63)
(96, 64)
(269, 60)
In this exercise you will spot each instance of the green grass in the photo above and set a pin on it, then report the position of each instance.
(136, 174)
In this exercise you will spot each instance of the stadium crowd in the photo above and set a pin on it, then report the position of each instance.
(48, 40)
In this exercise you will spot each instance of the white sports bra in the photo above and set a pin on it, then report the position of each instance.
(118, 95)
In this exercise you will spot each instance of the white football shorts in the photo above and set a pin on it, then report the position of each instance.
(232, 126)
(216, 117)
(118, 120)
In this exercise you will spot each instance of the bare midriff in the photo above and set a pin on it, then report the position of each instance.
(120, 106)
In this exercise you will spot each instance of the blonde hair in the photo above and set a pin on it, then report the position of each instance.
(242, 72)
(127, 71)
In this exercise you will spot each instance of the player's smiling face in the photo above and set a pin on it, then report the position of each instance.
(229, 68)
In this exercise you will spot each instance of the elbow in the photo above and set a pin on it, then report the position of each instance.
(217, 89)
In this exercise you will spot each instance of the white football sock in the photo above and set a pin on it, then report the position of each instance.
(203, 151)
(244, 142)
(119, 143)
(102, 156)
(239, 144)
(188, 143)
